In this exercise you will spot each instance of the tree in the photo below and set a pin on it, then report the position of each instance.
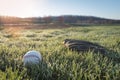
(61, 19)
(1, 21)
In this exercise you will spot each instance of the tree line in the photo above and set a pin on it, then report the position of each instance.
(66, 19)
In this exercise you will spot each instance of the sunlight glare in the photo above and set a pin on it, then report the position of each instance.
(21, 8)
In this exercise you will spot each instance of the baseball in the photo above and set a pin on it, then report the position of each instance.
(32, 57)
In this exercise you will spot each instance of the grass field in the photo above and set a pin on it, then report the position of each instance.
(58, 62)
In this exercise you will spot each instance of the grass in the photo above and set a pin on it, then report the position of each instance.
(58, 62)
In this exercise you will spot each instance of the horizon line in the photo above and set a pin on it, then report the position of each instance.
(59, 15)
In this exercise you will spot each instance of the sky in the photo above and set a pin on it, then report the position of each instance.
(40, 8)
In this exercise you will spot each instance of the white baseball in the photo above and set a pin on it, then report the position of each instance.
(32, 57)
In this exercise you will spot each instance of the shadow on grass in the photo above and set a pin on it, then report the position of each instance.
(39, 71)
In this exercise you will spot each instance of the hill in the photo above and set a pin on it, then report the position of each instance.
(65, 19)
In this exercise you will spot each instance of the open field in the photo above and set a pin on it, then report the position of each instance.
(58, 62)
